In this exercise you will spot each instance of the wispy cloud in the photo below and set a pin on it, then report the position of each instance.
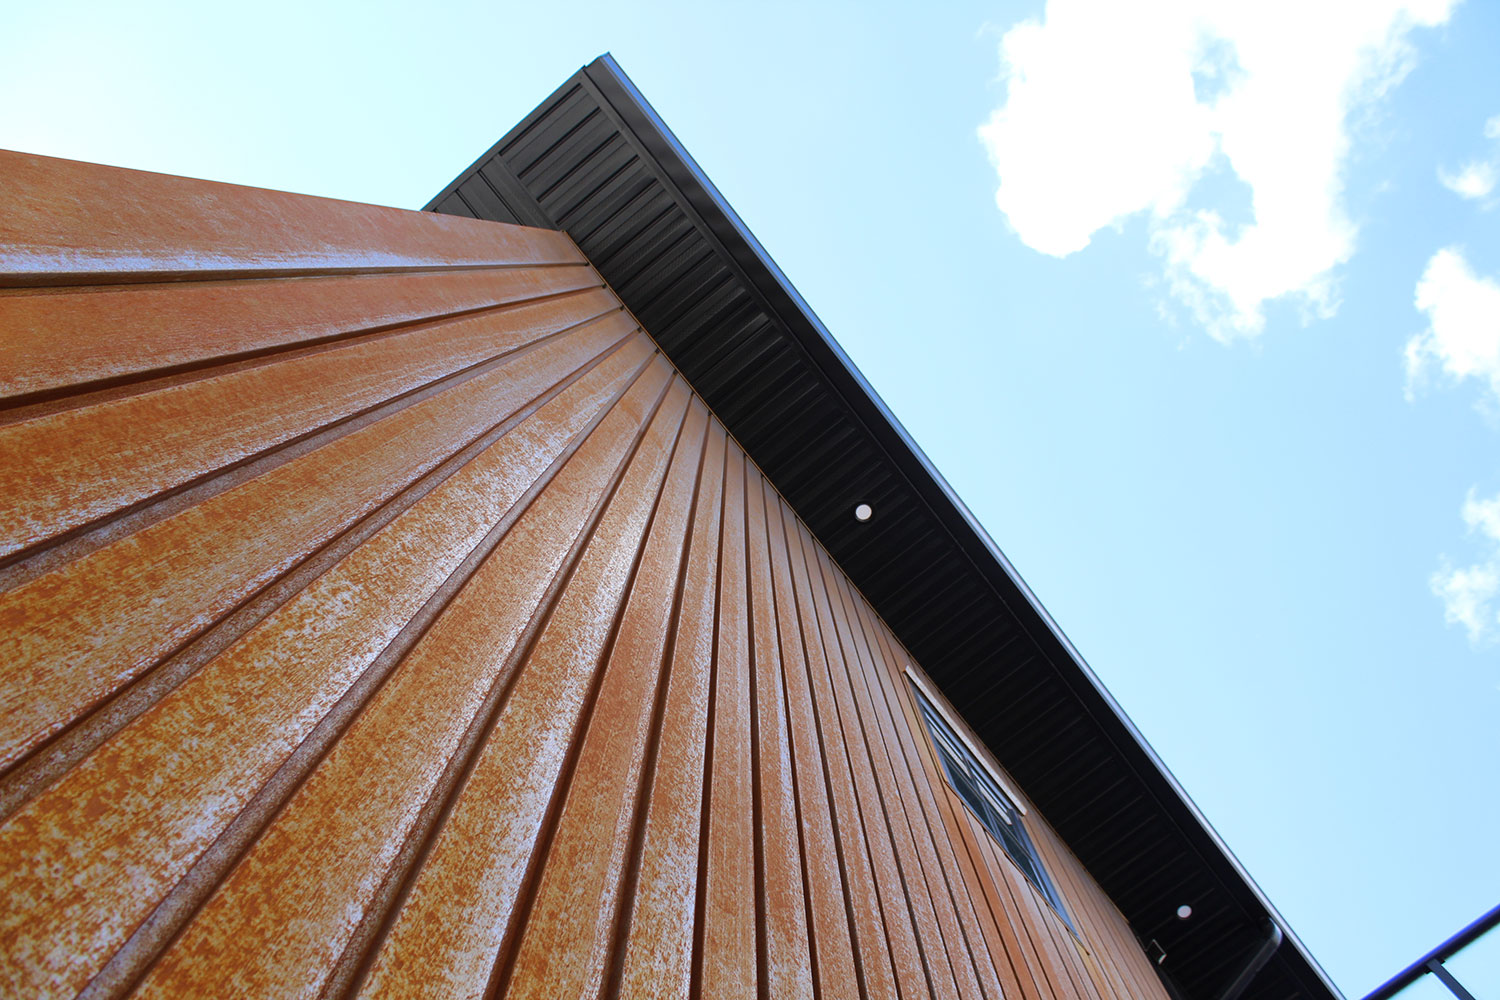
(1471, 594)
(1476, 179)
(1462, 339)
(1227, 125)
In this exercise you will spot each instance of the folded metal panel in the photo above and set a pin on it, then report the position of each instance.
(383, 614)
(600, 164)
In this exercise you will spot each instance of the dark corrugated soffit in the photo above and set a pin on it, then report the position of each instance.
(596, 161)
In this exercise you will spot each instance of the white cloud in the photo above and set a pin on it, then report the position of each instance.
(1462, 338)
(1471, 594)
(1114, 110)
(1476, 179)
(1484, 515)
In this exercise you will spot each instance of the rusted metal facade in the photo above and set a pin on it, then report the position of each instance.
(596, 161)
(381, 613)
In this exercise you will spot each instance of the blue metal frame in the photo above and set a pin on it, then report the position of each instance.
(1433, 961)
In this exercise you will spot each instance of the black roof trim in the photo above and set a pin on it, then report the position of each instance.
(596, 160)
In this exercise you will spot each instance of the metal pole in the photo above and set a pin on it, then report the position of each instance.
(1433, 961)
(1436, 968)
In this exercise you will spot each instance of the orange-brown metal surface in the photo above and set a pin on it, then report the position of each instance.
(382, 615)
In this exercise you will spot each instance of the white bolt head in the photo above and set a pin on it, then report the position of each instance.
(863, 512)
(1184, 911)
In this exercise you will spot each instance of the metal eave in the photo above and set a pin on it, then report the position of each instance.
(731, 239)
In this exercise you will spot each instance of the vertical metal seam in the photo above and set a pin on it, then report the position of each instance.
(980, 866)
(342, 976)
(757, 823)
(854, 739)
(445, 794)
(26, 407)
(877, 662)
(809, 614)
(503, 965)
(871, 814)
(164, 503)
(839, 842)
(235, 842)
(141, 380)
(50, 281)
(33, 774)
(868, 664)
(625, 896)
(812, 937)
(880, 661)
(695, 980)
(895, 791)
(695, 987)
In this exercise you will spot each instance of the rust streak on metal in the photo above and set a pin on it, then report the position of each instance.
(382, 615)
(49, 346)
(52, 236)
(59, 755)
(344, 825)
(65, 469)
(654, 944)
(79, 633)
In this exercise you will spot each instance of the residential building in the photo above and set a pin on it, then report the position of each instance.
(529, 598)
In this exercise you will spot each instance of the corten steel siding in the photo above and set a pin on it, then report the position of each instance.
(596, 161)
(384, 615)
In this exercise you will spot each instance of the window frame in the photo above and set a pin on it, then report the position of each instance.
(974, 777)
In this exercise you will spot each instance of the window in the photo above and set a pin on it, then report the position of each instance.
(985, 797)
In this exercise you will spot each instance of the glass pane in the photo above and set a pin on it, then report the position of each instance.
(983, 795)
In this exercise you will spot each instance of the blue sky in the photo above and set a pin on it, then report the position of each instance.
(1218, 366)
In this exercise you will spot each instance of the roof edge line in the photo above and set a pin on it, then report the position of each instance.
(846, 367)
